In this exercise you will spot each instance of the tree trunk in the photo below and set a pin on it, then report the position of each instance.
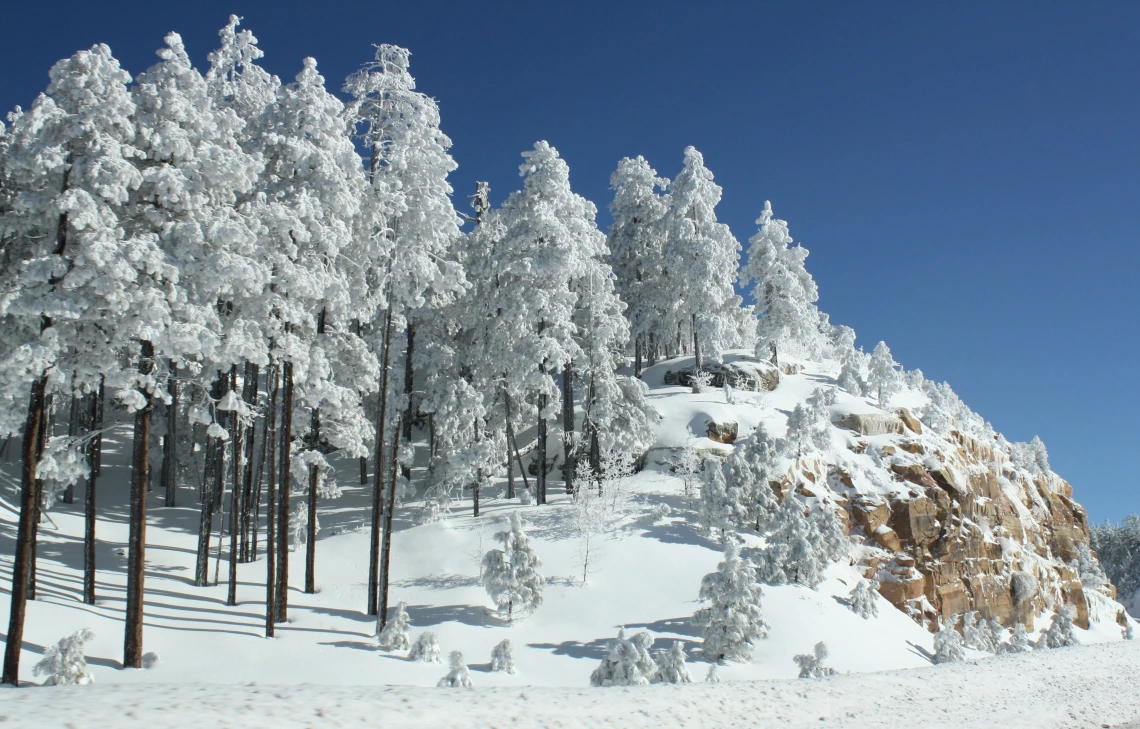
(696, 345)
(652, 350)
(311, 539)
(136, 548)
(637, 347)
(478, 485)
(568, 446)
(386, 552)
(169, 475)
(74, 422)
(21, 566)
(540, 480)
(410, 391)
(102, 401)
(89, 501)
(206, 519)
(286, 450)
(237, 506)
(37, 509)
(510, 440)
(248, 525)
(378, 474)
(269, 453)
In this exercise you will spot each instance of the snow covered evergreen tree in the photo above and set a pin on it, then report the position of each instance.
(862, 600)
(800, 547)
(1018, 641)
(721, 508)
(733, 622)
(785, 292)
(752, 467)
(701, 260)
(976, 634)
(425, 649)
(627, 663)
(882, 376)
(394, 635)
(64, 664)
(1060, 632)
(948, 643)
(458, 675)
(811, 664)
(671, 666)
(503, 657)
(809, 425)
(511, 574)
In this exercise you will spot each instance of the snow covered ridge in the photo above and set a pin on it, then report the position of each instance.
(1092, 686)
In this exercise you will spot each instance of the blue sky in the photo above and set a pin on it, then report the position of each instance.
(964, 174)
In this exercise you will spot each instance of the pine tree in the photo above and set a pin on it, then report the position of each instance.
(627, 662)
(394, 635)
(882, 377)
(701, 259)
(64, 663)
(948, 643)
(503, 657)
(752, 467)
(425, 648)
(671, 667)
(800, 547)
(809, 425)
(1060, 632)
(511, 574)
(458, 676)
(811, 664)
(1018, 641)
(722, 507)
(862, 601)
(733, 622)
(785, 292)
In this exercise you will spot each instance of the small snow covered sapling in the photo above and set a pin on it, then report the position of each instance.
(458, 675)
(1060, 633)
(394, 635)
(503, 657)
(511, 574)
(977, 634)
(1126, 633)
(948, 643)
(671, 665)
(628, 662)
(660, 512)
(425, 649)
(64, 664)
(862, 600)
(712, 676)
(811, 664)
(1018, 641)
(701, 380)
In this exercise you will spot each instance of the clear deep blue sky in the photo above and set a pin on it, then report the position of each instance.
(964, 174)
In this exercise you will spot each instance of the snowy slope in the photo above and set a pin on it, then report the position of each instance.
(647, 577)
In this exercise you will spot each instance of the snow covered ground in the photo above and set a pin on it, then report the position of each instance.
(324, 663)
(1088, 686)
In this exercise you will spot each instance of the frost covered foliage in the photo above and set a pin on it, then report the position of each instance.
(425, 648)
(63, 664)
(980, 634)
(785, 292)
(733, 622)
(1118, 549)
(1031, 456)
(503, 657)
(809, 425)
(394, 635)
(1127, 633)
(1024, 586)
(712, 676)
(1089, 568)
(752, 467)
(721, 508)
(511, 574)
(948, 643)
(1060, 633)
(1018, 641)
(862, 600)
(799, 548)
(627, 662)
(671, 665)
(852, 373)
(811, 664)
(883, 377)
(458, 675)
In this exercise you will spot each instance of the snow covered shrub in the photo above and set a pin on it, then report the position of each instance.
(628, 662)
(733, 622)
(851, 378)
(64, 664)
(701, 381)
(458, 676)
(425, 648)
(671, 666)
(394, 635)
(1018, 641)
(150, 660)
(996, 633)
(1024, 586)
(1060, 633)
(729, 393)
(660, 512)
(948, 644)
(1126, 633)
(862, 600)
(975, 635)
(811, 664)
(712, 676)
(511, 574)
(687, 464)
(809, 425)
(299, 526)
(503, 657)
(799, 548)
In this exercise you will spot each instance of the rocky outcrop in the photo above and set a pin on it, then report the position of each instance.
(743, 374)
(871, 423)
(725, 432)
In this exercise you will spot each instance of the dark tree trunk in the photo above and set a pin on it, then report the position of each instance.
(248, 525)
(209, 481)
(478, 485)
(286, 451)
(637, 347)
(89, 501)
(568, 445)
(41, 442)
(510, 441)
(102, 401)
(136, 547)
(311, 527)
(237, 506)
(169, 475)
(652, 350)
(21, 566)
(540, 479)
(378, 469)
(696, 345)
(269, 453)
(410, 391)
(389, 511)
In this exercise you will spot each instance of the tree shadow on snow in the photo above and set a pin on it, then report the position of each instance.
(920, 651)
(595, 649)
(680, 532)
(429, 615)
(676, 626)
(440, 582)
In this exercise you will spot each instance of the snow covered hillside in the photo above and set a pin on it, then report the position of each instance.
(644, 573)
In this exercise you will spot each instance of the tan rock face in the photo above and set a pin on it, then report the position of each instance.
(722, 432)
(871, 423)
